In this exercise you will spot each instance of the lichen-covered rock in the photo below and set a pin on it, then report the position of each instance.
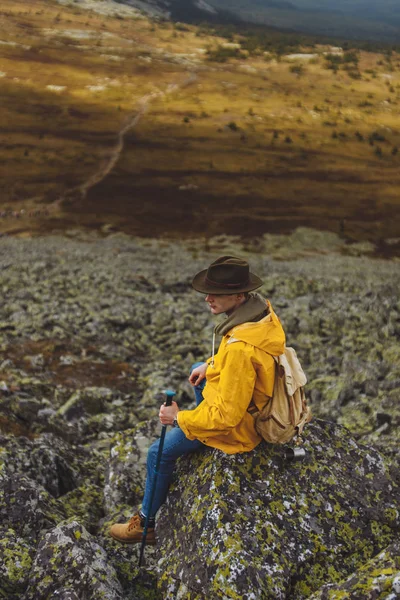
(19, 411)
(26, 507)
(378, 579)
(255, 526)
(91, 400)
(72, 474)
(84, 503)
(15, 563)
(47, 459)
(68, 564)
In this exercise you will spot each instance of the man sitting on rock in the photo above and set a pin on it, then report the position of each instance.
(241, 371)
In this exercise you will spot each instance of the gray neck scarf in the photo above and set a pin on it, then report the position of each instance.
(252, 310)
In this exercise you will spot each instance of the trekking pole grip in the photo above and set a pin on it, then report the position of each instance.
(170, 396)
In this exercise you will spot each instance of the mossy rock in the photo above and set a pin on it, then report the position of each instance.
(253, 525)
(50, 461)
(68, 559)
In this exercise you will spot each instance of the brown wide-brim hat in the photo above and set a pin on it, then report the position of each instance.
(226, 275)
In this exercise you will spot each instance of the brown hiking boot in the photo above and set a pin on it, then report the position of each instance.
(132, 531)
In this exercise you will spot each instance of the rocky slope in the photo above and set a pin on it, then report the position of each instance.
(92, 329)
(166, 9)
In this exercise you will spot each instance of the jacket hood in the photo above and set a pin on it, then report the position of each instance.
(266, 334)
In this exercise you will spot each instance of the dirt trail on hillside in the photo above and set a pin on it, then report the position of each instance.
(80, 192)
(117, 151)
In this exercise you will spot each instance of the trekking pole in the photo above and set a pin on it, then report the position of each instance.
(169, 394)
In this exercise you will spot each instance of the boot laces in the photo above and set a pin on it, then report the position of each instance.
(134, 522)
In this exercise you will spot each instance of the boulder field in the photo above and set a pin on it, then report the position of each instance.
(92, 329)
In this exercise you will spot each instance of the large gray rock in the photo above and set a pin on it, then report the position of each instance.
(26, 507)
(69, 564)
(48, 460)
(56, 480)
(254, 526)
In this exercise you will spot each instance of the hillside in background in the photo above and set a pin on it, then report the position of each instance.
(111, 119)
(354, 19)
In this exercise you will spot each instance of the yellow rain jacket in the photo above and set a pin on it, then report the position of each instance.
(243, 370)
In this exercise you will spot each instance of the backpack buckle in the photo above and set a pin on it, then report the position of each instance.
(298, 440)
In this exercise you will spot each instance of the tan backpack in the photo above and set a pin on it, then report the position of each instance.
(286, 413)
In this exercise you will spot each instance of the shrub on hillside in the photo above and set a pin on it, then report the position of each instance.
(350, 57)
(377, 137)
(333, 61)
(181, 27)
(221, 54)
(297, 69)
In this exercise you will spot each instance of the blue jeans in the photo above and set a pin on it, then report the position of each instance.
(176, 444)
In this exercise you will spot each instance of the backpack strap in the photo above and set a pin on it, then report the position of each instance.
(252, 408)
